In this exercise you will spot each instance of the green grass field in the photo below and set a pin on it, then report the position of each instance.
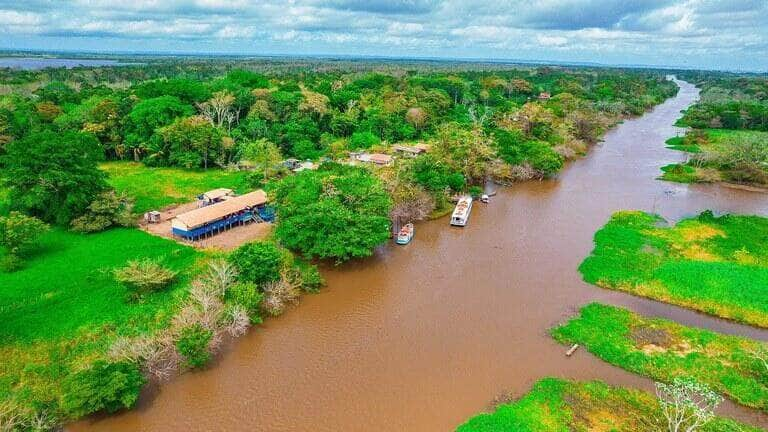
(156, 188)
(63, 308)
(717, 265)
(663, 350)
(555, 405)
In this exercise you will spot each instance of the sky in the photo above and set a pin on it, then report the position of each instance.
(708, 34)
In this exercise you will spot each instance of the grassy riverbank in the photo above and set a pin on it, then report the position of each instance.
(555, 405)
(154, 188)
(717, 265)
(663, 350)
(63, 309)
(736, 156)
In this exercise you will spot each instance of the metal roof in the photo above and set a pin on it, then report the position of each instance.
(214, 212)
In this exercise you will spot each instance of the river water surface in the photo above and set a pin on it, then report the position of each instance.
(421, 337)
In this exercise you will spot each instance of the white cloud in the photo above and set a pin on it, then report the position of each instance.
(703, 32)
(553, 41)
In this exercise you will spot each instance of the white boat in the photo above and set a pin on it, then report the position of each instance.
(460, 214)
(485, 198)
(405, 235)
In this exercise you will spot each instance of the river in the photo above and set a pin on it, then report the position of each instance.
(38, 63)
(421, 337)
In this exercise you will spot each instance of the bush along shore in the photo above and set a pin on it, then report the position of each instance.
(716, 265)
(733, 366)
(555, 405)
(117, 317)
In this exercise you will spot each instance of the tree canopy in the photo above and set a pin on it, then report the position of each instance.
(54, 176)
(337, 211)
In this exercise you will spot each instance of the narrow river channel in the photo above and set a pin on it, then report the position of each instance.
(421, 337)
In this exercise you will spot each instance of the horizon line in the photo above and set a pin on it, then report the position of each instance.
(512, 61)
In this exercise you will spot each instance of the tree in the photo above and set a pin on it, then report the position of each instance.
(687, 405)
(465, 151)
(264, 155)
(363, 140)
(314, 103)
(108, 209)
(189, 142)
(54, 176)
(104, 386)
(17, 234)
(337, 211)
(416, 116)
(219, 109)
(247, 295)
(149, 115)
(257, 262)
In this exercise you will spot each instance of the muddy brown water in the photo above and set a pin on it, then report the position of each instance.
(421, 337)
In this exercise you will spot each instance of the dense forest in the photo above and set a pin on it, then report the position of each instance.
(196, 115)
(79, 147)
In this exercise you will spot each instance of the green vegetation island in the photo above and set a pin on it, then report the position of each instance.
(100, 299)
(556, 405)
(727, 139)
(714, 264)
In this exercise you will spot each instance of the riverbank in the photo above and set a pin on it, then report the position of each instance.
(736, 158)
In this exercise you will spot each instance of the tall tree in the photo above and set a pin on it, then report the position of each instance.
(338, 211)
(265, 156)
(54, 176)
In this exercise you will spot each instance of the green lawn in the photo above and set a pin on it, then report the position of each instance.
(156, 188)
(717, 265)
(555, 405)
(63, 308)
(663, 350)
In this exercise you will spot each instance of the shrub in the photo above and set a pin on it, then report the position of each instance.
(10, 263)
(144, 276)
(277, 296)
(193, 345)
(475, 191)
(311, 280)
(257, 262)
(104, 386)
(543, 158)
(108, 209)
(17, 234)
(247, 295)
(363, 140)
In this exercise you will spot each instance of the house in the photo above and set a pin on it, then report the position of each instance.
(409, 150)
(544, 96)
(376, 158)
(291, 164)
(214, 196)
(219, 216)
(308, 165)
(380, 158)
(152, 217)
(423, 147)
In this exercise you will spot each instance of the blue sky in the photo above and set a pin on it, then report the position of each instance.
(690, 33)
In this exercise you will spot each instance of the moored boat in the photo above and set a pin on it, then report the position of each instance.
(460, 214)
(405, 235)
